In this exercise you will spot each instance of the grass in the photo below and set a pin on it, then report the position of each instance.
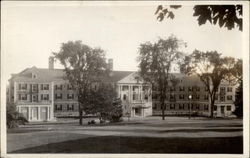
(117, 144)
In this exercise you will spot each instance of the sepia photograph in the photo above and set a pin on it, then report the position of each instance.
(81, 78)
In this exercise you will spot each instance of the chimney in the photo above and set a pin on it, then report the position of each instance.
(110, 64)
(51, 62)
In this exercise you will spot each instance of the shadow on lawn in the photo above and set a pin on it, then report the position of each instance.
(116, 144)
(199, 130)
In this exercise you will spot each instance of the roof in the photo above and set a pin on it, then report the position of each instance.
(49, 75)
(45, 75)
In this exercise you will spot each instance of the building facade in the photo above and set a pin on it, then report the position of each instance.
(191, 96)
(44, 94)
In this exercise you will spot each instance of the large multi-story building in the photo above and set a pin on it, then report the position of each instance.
(45, 94)
(191, 96)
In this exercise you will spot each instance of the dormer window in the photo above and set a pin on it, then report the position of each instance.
(34, 75)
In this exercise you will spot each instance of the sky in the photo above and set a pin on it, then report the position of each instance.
(31, 31)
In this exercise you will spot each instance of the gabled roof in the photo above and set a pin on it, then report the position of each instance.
(116, 76)
(49, 75)
(45, 75)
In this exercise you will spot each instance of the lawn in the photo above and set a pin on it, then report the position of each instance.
(116, 144)
(150, 135)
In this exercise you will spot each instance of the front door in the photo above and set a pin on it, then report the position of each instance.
(43, 115)
(222, 110)
(138, 111)
(34, 113)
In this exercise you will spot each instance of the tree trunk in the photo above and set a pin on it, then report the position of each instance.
(163, 111)
(80, 116)
(212, 109)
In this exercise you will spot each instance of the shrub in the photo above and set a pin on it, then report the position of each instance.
(115, 113)
(14, 118)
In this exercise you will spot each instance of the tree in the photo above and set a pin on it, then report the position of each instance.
(83, 66)
(155, 63)
(13, 117)
(104, 103)
(239, 100)
(225, 15)
(211, 68)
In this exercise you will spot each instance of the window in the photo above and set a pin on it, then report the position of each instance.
(181, 88)
(206, 107)
(193, 106)
(222, 89)
(34, 87)
(95, 87)
(172, 96)
(70, 107)
(154, 106)
(197, 97)
(206, 97)
(135, 96)
(58, 96)
(172, 106)
(35, 98)
(58, 107)
(154, 96)
(70, 96)
(69, 87)
(229, 97)
(229, 89)
(44, 96)
(198, 89)
(22, 97)
(197, 107)
(228, 108)
(124, 96)
(44, 86)
(222, 98)
(181, 106)
(172, 89)
(181, 96)
(58, 87)
(124, 88)
(216, 96)
(34, 76)
(190, 89)
(135, 88)
(23, 86)
(145, 97)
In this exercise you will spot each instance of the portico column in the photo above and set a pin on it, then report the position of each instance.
(120, 89)
(130, 93)
(15, 92)
(29, 113)
(140, 92)
(39, 109)
(48, 112)
(52, 102)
